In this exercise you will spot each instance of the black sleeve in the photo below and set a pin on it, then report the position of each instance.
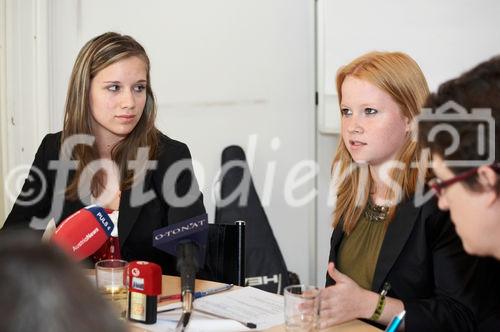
(488, 309)
(329, 281)
(36, 194)
(450, 309)
(179, 187)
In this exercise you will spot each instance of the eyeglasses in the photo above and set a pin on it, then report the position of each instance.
(438, 185)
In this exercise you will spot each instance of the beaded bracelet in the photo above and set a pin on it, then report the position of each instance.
(381, 302)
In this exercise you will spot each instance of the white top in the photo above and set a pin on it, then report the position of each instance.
(114, 219)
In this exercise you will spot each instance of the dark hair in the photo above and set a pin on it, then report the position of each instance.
(476, 88)
(42, 290)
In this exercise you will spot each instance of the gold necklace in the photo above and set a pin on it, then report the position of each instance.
(375, 213)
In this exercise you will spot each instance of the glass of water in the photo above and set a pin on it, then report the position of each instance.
(301, 308)
(112, 282)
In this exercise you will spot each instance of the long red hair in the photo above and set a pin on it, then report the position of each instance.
(399, 76)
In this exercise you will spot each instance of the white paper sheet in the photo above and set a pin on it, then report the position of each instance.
(198, 323)
(246, 304)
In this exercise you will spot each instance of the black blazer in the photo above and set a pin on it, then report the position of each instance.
(423, 260)
(135, 224)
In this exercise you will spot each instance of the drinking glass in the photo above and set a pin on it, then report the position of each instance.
(112, 282)
(301, 308)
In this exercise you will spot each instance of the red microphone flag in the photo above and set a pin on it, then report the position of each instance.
(84, 232)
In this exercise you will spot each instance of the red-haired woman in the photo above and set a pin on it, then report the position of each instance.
(389, 252)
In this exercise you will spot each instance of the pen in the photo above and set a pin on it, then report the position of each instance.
(250, 325)
(212, 291)
(395, 322)
(197, 294)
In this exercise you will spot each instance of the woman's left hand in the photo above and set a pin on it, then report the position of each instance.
(345, 300)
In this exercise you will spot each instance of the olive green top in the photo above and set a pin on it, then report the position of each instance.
(358, 252)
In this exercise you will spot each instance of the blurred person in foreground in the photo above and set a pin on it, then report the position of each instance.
(42, 290)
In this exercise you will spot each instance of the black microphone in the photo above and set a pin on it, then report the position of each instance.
(186, 240)
(187, 264)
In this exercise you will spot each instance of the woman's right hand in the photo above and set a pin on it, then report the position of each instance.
(345, 300)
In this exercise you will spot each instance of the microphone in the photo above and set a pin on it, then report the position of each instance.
(187, 240)
(84, 232)
(187, 264)
(144, 288)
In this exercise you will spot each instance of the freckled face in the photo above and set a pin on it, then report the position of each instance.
(373, 127)
(117, 98)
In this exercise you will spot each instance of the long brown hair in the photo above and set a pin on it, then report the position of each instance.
(97, 54)
(399, 76)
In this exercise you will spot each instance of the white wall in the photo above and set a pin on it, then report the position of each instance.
(3, 118)
(24, 103)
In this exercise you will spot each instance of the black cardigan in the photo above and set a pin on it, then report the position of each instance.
(135, 224)
(423, 260)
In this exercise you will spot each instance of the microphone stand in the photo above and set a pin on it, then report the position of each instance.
(187, 309)
(187, 265)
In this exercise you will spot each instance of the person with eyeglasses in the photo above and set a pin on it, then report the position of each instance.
(472, 192)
